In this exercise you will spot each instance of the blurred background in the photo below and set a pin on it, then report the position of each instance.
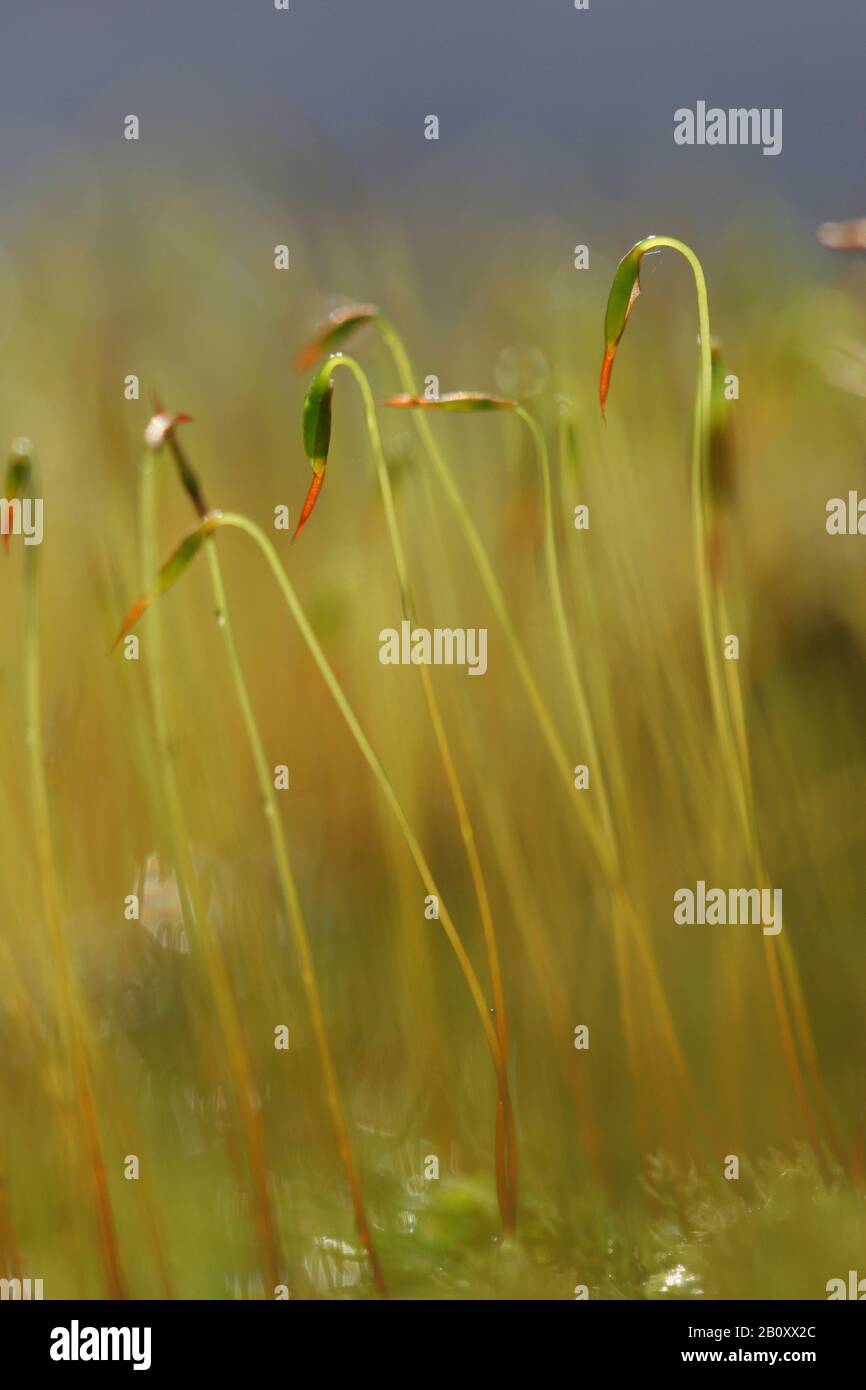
(156, 258)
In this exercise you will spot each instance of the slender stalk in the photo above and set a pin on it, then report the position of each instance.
(292, 903)
(539, 955)
(789, 966)
(506, 1140)
(69, 1012)
(578, 691)
(195, 917)
(604, 845)
(569, 470)
(243, 523)
(726, 695)
(585, 722)
(494, 593)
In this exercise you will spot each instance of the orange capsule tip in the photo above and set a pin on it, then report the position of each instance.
(131, 619)
(604, 380)
(310, 499)
(307, 356)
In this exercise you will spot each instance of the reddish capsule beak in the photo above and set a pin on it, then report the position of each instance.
(604, 379)
(131, 618)
(309, 502)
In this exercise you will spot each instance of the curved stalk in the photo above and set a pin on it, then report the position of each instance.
(493, 589)
(294, 911)
(604, 844)
(195, 917)
(243, 523)
(726, 696)
(588, 733)
(506, 1139)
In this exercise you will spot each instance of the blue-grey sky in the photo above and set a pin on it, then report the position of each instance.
(540, 106)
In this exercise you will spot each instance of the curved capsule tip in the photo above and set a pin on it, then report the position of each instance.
(311, 497)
